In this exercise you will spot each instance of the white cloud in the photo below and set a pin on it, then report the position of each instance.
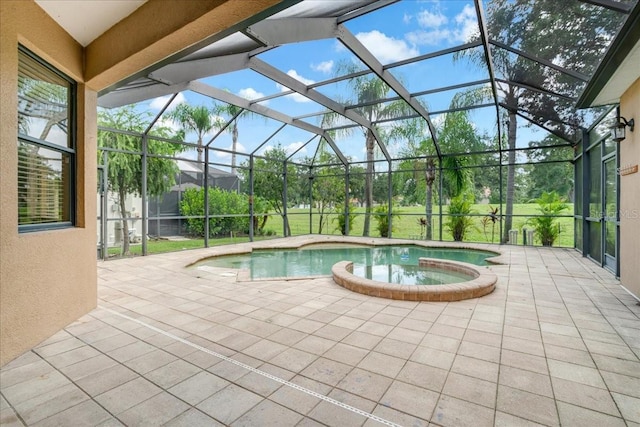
(461, 29)
(291, 148)
(250, 93)
(407, 18)
(324, 67)
(224, 155)
(168, 123)
(429, 19)
(296, 96)
(159, 103)
(386, 49)
(431, 37)
(467, 21)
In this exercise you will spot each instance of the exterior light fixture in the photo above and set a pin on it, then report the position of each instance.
(618, 131)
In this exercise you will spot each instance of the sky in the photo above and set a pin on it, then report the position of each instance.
(394, 33)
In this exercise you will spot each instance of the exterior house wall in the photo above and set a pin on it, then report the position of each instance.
(47, 278)
(630, 193)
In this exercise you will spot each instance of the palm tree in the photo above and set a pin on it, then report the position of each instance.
(198, 119)
(367, 89)
(232, 111)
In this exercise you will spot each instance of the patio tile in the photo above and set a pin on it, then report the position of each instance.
(172, 373)
(345, 353)
(409, 336)
(622, 383)
(440, 342)
(629, 406)
(577, 373)
(125, 396)
(410, 399)
(397, 417)
(50, 403)
(612, 364)
(524, 361)
(585, 396)
(87, 367)
(333, 332)
(150, 361)
(29, 371)
(268, 413)
(377, 329)
(264, 349)
(613, 350)
(229, 403)
(395, 348)
(447, 331)
(193, 418)
(197, 388)
(287, 337)
(382, 364)
(525, 405)
(471, 389)
(507, 420)
(479, 351)
(238, 341)
(571, 415)
(534, 348)
(570, 355)
(423, 376)
(362, 340)
(87, 413)
(433, 357)
(70, 357)
(59, 347)
(155, 411)
(8, 418)
(106, 379)
(476, 368)
(326, 371)
(365, 384)
(299, 401)
(293, 360)
(458, 413)
(526, 380)
(131, 351)
(314, 345)
(34, 387)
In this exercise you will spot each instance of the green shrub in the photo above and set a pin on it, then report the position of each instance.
(460, 223)
(546, 226)
(342, 220)
(381, 216)
(229, 212)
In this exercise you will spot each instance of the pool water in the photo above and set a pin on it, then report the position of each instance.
(409, 274)
(316, 261)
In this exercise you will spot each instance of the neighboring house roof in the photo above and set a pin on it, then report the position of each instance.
(619, 68)
(186, 166)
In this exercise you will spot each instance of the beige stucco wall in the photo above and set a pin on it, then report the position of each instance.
(47, 279)
(630, 194)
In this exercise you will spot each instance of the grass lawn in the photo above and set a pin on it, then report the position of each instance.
(161, 246)
(406, 226)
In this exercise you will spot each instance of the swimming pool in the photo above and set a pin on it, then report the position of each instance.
(317, 260)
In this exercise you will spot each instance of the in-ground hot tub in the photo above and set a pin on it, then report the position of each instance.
(431, 280)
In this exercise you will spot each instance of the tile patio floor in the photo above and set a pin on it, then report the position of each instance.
(558, 342)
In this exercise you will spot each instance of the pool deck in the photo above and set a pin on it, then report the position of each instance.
(557, 342)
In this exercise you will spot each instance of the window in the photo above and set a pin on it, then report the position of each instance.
(46, 145)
